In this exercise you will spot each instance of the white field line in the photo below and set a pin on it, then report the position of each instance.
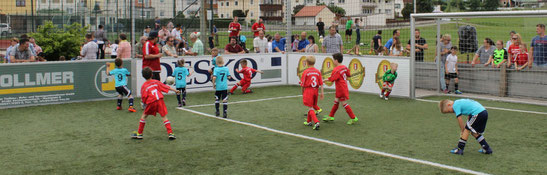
(496, 108)
(257, 100)
(424, 162)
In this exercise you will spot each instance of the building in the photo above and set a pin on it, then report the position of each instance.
(251, 7)
(310, 15)
(272, 10)
(17, 7)
(390, 8)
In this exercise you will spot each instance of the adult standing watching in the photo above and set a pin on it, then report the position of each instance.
(233, 47)
(258, 26)
(100, 36)
(278, 45)
(396, 33)
(538, 48)
(421, 45)
(197, 48)
(321, 27)
(484, 52)
(302, 43)
(139, 46)
(90, 49)
(260, 43)
(357, 31)
(333, 42)
(22, 53)
(349, 31)
(376, 42)
(234, 29)
(446, 45)
(151, 55)
(124, 48)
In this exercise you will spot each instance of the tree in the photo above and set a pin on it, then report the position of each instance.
(423, 6)
(56, 42)
(239, 13)
(337, 10)
(491, 5)
(297, 9)
(474, 5)
(407, 10)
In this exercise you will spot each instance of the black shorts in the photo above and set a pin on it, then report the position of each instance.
(349, 32)
(450, 75)
(221, 95)
(123, 90)
(477, 123)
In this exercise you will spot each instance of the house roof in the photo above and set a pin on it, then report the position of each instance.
(310, 11)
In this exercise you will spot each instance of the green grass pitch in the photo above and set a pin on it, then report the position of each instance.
(93, 138)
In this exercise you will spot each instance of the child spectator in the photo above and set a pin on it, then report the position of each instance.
(499, 57)
(451, 70)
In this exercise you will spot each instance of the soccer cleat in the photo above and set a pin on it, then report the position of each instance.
(446, 91)
(183, 102)
(225, 115)
(308, 123)
(458, 92)
(230, 93)
(131, 109)
(456, 151)
(136, 135)
(318, 111)
(327, 118)
(248, 92)
(180, 105)
(381, 95)
(172, 136)
(386, 98)
(316, 126)
(118, 108)
(489, 151)
(352, 121)
(217, 113)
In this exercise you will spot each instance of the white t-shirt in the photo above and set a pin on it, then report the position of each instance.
(451, 61)
(270, 49)
(114, 48)
(261, 44)
(176, 33)
(395, 51)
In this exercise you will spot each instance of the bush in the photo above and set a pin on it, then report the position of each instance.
(56, 42)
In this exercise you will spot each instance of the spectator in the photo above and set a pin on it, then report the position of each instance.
(139, 46)
(163, 34)
(170, 26)
(151, 55)
(258, 26)
(396, 48)
(234, 29)
(114, 47)
(31, 46)
(243, 43)
(13, 43)
(62, 58)
(499, 57)
(21, 53)
(303, 43)
(538, 48)
(335, 23)
(295, 40)
(157, 23)
(182, 47)
(514, 49)
(421, 45)
(311, 47)
(510, 41)
(197, 48)
(146, 31)
(380, 51)
(233, 47)
(176, 33)
(396, 33)
(169, 48)
(41, 57)
(37, 49)
(357, 31)
(376, 42)
(484, 52)
(321, 27)
(349, 31)
(333, 42)
(90, 49)
(270, 40)
(522, 58)
(100, 36)
(278, 45)
(260, 43)
(124, 48)
(446, 46)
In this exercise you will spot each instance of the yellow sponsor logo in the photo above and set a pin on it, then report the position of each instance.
(110, 85)
(326, 70)
(36, 89)
(357, 73)
(382, 69)
(302, 66)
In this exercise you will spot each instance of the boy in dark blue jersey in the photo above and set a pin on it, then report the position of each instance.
(220, 84)
(180, 75)
(120, 76)
(476, 124)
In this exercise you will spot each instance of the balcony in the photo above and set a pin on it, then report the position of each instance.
(368, 4)
(272, 18)
(271, 7)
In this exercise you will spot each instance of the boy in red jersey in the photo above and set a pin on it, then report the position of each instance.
(151, 55)
(152, 97)
(339, 77)
(311, 81)
(247, 76)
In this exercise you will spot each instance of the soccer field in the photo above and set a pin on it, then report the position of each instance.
(265, 135)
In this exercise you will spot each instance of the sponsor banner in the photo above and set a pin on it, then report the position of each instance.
(273, 65)
(56, 82)
(366, 72)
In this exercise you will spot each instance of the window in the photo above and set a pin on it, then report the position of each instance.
(388, 11)
(162, 0)
(251, 1)
(251, 14)
(162, 13)
(387, 1)
(44, 1)
(397, 6)
(70, 10)
(56, 1)
(221, 4)
(69, 1)
(236, 3)
(379, 10)
(20, 3)
(367, 11)
(227, 4)
(140, 1)
(341, 1)
(221, 15)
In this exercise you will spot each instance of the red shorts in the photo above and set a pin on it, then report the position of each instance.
(156, 107)
(244, 82)
(310, 97)
(387, 85)
(342, 95)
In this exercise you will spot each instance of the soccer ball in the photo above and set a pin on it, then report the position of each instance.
(170, 80)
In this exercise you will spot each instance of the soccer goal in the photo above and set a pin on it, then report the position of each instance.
(493, 55)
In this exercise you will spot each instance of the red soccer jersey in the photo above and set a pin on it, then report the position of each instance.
(247, 73)
(151, 91)
(522, 59)
(311, 78)
(339, 77)
(151, 48)
(257, 26)
(236, 26)
(514, 50)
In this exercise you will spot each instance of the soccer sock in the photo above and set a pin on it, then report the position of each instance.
(130, 102)
(178, 98)
(311, 114)
(387, 93)
(461, 144)
(456, 86)
(333, 110)
(184, 96)
(483, 142)
(217, 105)
(316, 107)
(120, 101)
(141, 126)
(447, 83)
(233, 88)
(383, 90)
(225, 107)
(167, 124)
(349, 111)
